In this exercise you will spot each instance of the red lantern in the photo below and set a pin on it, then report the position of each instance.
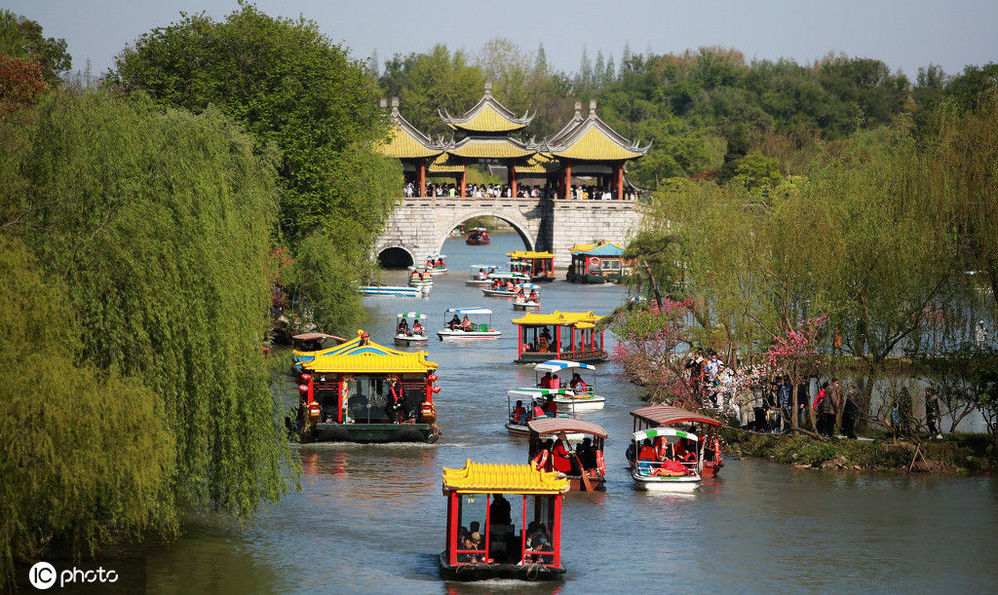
(436, 389)
(305, 378)
(432, 378)
(303, 388)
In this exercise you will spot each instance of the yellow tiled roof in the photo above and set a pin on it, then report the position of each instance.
(488, 119)
(559, 318)
(354, 358)
(595, 145)
(444, 165)
(403, 145)
(529, 254)
(480, 478)
(500, 148)
(539, 164)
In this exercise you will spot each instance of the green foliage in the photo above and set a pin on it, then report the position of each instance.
(287, 84)
(156, 223)
(84, 453)
(22, 38)
(757, 172)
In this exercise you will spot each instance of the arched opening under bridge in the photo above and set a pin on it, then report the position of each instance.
(395, 257)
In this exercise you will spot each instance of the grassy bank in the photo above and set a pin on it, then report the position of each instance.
(957, 453)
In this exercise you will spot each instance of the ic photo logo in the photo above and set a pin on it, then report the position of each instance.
(43, 576)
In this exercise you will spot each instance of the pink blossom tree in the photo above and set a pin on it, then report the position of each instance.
(795, 352)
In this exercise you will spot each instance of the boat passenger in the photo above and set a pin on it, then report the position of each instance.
(551, 408)
(562, 456)
(538, 412)
(555, 382)
(647, 451)
(586, 453)
(510, 286)
(403, 327)
(499, 511)
(466, 324)
(682, 453)
(546, 334)
(417, 329)
(533, 296)
(454, 322)
(577, 384)
(481, 275)
(519, 412)
(545, 380)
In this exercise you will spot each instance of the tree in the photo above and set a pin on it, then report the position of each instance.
(22, 38)
(21, 83)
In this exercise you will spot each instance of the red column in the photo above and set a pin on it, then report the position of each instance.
(464, 177)
(568, 179)
(452, 528)
(557, 339)
(421, 179)
(511, 176)
(521, 331)
(340, 389)
(486, 527)
(556, 532)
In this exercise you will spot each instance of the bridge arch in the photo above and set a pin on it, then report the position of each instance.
(517, 221)
(395, 257)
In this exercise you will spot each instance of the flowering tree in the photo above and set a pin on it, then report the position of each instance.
(795, 352)
(649, 336)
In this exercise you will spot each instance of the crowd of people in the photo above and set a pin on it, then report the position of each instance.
(766, 403)
(580, 192)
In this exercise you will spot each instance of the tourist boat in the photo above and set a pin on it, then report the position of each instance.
(421, 277)
(502, 291)
(393, 290)
(436, 264)
(586, 467)
(477, 330)
(523, 302)
(478, 236)
(538, 265)
(597, 263)
(306, 346)
(570, 401)
(503, 521)
(571, 336)
(517, 425)
(654, 475)
(365, 392)
(410, 337)
(481, 275)
(710, 461)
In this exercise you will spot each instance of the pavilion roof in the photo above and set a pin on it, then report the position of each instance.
(357, 357)
(407, 142)
(577, 319)
(603, 249)
(445, 164)
(476, 147)
(505, 479)
(488, 115)
(592, 139)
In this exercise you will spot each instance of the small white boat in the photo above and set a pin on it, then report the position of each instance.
(436, 263)
(582, 397)
(458, 329)
(529, 298)
(654, 475)
(481, 276)
(392, 290)
(532, 396)
(413, 333)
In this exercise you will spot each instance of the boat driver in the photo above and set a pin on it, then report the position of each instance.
(417, 329)
(454, 322)
(403, 327)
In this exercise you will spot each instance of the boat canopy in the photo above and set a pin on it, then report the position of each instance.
(436, 256)
(535, 393)
(663, 432)
(529, 286)
(418, 267)
(490, 267)
(315, 336)
(412, 316)
(360, 357)
(556, 425)
(556, 365)
(576, 319)
(528, 254)
(490, 478)
(468, 311)
(665, 415)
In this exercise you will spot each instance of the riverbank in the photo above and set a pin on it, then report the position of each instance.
(955, 453)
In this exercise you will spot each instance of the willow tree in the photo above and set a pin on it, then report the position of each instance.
(155, 222)
(295, 92)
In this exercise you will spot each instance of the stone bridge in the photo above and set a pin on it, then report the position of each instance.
(419, 226)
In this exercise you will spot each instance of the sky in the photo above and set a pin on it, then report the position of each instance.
(905, 35)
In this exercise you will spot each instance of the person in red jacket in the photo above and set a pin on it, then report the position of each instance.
(561, 455)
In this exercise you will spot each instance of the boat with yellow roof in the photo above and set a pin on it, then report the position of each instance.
(364, 392)
(503, 521)
(538, 265)
(560, 335)
(603, 262)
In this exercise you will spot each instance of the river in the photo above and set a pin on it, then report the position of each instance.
(371, 517)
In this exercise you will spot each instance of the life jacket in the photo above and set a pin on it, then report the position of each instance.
(647, 453)
(538, 412)
(518, 414)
